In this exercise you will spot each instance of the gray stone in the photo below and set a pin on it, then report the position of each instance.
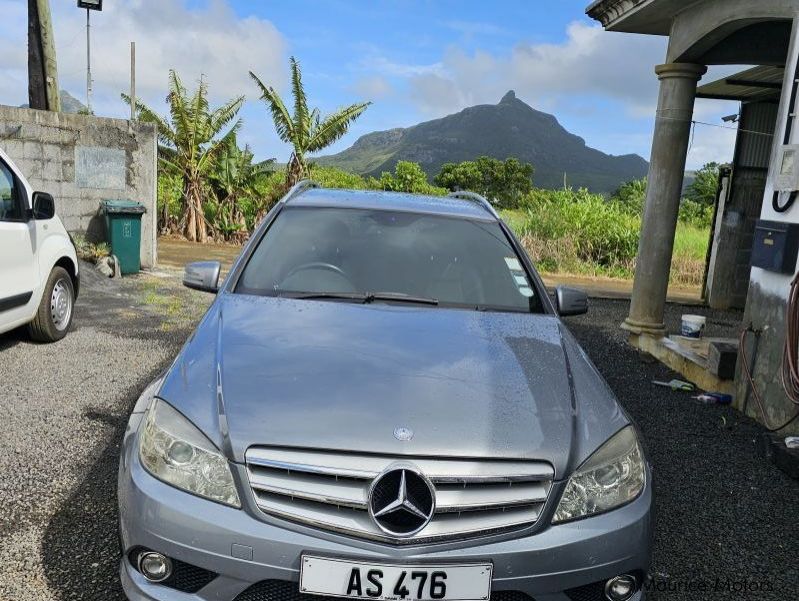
(118, 160)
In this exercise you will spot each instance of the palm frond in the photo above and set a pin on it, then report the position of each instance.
(301, 121)
(334, 126)
(216, 147)
(284, 125)
(225, 114)
(166, 135)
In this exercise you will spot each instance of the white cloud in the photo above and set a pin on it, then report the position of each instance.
(372, 88)
(210, 40)
(589, 61)
(380, 64)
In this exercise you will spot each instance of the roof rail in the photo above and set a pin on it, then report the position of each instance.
(298, 188)
(475, 197)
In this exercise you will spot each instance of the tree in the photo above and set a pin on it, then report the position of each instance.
(503, 182)
(305, 130)
(631, 196)
(190, 142)
(407, 177)
(235, 177)
(704, 188)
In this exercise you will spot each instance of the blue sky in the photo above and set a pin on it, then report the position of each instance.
(415, 59)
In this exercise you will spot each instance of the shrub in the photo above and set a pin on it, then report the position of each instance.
(696, 213)
(587, 229)
(407, 177)
(503, 182)
(631, 196)
(169, 199)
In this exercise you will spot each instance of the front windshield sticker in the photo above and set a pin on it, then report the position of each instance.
(519, 277)
(513, 264)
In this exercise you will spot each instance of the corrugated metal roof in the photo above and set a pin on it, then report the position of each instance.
(757, 84)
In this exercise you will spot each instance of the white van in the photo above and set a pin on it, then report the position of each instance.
(39, 277)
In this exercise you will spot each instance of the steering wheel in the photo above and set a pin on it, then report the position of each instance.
(317, 265)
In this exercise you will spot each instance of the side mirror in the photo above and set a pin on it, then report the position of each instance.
(203, 276)
(43, 206)
(570, 301)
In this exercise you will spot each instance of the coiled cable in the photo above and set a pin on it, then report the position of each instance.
(789, 372)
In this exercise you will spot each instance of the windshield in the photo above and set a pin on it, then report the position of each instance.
(389, 256)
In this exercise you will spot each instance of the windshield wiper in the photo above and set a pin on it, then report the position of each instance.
(352, 296)
(400, 297)
(361, 297)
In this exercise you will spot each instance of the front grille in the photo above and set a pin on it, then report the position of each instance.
(330, 490)
(588, 592)
(185, 577)
(281, 590)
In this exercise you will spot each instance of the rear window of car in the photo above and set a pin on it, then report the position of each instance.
(458, 262)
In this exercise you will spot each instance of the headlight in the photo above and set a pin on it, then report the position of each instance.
(172, 449)
(614, 475)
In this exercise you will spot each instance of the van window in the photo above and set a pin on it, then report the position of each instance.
(10, 205)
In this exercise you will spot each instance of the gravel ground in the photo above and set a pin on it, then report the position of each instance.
(725, 518)
(63, 409)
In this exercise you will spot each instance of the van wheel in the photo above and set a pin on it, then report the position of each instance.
(54, 315)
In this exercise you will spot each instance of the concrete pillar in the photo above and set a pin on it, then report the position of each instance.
(666, 171)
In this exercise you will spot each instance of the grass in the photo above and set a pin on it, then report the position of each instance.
(558, 254)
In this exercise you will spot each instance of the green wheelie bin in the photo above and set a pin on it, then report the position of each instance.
(123, 227)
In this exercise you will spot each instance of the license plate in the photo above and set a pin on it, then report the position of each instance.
(366, 580)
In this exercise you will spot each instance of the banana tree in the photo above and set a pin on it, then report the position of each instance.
(234, 178)
(190, 141)
(306, 130)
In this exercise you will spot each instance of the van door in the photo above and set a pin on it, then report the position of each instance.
(17, 267)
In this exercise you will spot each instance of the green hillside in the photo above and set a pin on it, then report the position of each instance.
(508, 129)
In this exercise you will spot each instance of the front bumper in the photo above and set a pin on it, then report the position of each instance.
(243, 549)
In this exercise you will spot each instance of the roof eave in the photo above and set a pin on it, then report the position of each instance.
(615, 15)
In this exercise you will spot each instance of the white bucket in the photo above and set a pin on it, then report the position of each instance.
(693, 325)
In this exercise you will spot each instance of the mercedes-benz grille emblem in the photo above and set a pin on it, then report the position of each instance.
(401, 501)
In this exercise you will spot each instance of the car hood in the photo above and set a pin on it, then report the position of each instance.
(342, 376)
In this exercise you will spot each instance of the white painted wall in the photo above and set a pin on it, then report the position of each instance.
(775, 283)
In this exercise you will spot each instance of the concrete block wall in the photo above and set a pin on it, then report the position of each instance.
(82, 160)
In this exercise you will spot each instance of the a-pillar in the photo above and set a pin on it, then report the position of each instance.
(678, 83)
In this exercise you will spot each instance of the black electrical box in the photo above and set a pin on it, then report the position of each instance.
(775, 246)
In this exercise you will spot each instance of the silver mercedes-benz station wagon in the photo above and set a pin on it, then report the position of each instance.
(382, 403)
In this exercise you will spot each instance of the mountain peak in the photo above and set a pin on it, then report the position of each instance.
(508, 129)
(508, 98)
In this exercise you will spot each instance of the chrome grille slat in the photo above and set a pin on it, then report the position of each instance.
(329, 490)
(473, 498)
(335, 491)
(368, 467)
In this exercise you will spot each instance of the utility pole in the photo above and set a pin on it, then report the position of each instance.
(89, 5)
(88, 62)
(133, 81)
(43, 91)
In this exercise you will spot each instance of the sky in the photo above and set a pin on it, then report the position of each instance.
(414, 59)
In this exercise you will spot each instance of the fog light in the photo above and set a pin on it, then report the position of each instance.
(621, 588)
(154, 566)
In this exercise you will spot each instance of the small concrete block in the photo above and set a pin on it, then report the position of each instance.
(241, 552)
(721, 359)
(32, 169)
(32, 150)
(52, 171)
(13, 148)
(51, 152)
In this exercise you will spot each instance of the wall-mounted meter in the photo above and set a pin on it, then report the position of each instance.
(786, 184)
(788, 177)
